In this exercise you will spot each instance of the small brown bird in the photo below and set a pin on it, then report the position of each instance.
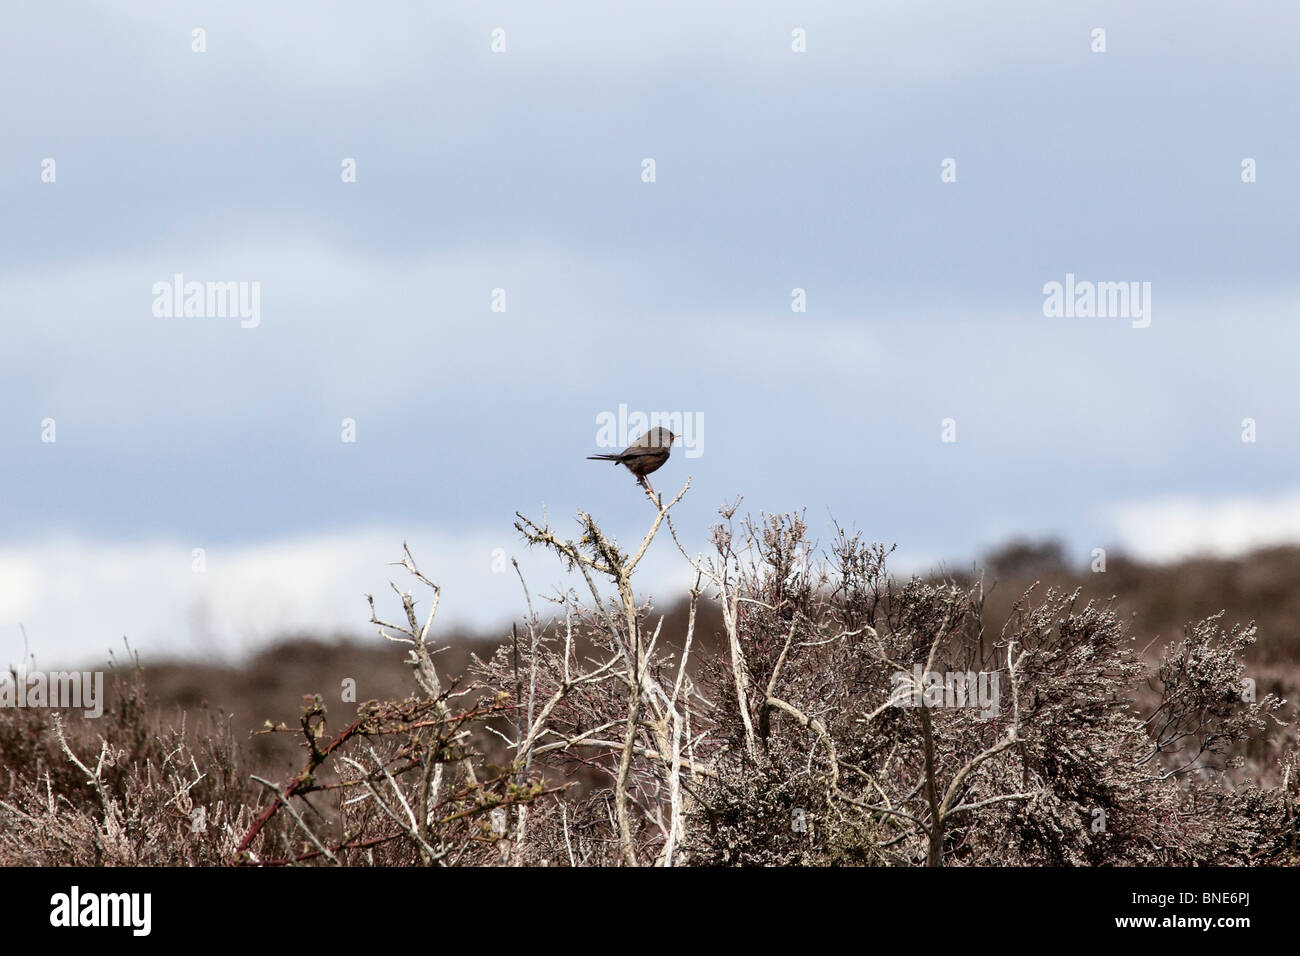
(648, 453)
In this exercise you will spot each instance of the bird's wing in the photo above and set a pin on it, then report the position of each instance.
(641, 451)
(650, 441)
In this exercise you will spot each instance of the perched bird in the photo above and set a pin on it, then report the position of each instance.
(646, 454)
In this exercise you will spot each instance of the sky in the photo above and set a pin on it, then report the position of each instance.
(502, 274)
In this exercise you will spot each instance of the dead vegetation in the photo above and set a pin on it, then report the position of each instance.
(809, 709)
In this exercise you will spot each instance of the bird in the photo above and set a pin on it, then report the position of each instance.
(648, 453)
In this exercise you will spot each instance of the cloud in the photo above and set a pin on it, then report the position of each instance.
(1171, 527)
(345, 319)
(332, 43)
(521, 171)
(77, 597)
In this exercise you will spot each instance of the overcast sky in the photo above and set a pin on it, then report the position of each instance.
(522, 170)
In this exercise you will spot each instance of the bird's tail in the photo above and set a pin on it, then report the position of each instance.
(613, 458)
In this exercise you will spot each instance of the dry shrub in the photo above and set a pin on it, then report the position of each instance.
(791, 736)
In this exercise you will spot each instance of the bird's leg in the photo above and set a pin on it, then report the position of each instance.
(649, 489)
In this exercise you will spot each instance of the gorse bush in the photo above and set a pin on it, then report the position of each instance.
(838, 716)
(1067, 771)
